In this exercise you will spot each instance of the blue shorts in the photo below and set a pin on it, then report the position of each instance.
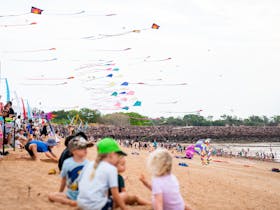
(109, 204)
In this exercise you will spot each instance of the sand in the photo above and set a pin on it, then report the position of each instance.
(229, 184)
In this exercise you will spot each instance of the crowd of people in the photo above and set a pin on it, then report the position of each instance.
(99, 184)
(34, 135)
(246, 153)
(96, 185)
(183, 134)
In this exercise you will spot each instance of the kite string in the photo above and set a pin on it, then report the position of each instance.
(153, 124)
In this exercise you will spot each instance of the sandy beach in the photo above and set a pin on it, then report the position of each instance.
(224, 184)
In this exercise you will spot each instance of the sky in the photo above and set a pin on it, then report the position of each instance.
(227, 52)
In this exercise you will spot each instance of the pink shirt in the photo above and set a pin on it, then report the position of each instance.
(168, 186)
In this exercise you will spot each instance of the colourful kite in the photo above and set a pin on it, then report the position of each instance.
(44, 60)
(114, 94)
(169, 102)
(44, 84)
(188, 112)
(150, 84)
(155, 26)
(124, 84)
(66, 78)
(137, 103)
(157, 60)
(130, 93)
(125, 108)
(102, 36)
(36, 10)
(14, 15)
(114, 50)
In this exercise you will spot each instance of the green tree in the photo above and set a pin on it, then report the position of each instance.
(138, 119)
(195, 120)
(116, 119)
(254, 121)
(89, 115)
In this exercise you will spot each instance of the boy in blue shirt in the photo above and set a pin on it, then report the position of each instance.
(70, 172)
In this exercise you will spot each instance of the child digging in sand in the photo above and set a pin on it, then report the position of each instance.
(128, 199)
(101, 176)
(165, 187)
(71, 169)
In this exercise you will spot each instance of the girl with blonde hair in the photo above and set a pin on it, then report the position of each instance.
(101, 176)
(165, 186)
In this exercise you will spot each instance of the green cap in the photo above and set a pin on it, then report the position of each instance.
(109, 145)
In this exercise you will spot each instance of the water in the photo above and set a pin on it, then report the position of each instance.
(251, 149)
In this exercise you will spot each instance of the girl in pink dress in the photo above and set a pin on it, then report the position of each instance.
(165, 186)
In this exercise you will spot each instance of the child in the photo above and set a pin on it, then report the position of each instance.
(66, 153)
(128, 199)
(165, 186)
(101, 176)
(71, 169)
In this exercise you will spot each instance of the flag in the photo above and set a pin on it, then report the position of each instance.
(7, 90)
(29, 112)
(24, 111)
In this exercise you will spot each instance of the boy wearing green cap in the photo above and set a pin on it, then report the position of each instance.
(101, 176)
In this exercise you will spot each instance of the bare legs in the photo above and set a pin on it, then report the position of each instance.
(33, 148)
(61, 197)
(133, 199)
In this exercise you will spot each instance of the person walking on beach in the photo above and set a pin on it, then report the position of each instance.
(101, 176)
(35, 146)
(164, 186)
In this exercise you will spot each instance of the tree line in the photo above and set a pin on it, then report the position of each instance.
(88, 116)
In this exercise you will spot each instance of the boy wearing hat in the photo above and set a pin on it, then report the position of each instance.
(70, 172)
(35, 146)
(66, 153)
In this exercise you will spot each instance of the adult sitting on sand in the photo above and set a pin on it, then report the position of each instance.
(34, 146)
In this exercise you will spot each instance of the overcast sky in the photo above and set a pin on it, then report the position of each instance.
(226, 51)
